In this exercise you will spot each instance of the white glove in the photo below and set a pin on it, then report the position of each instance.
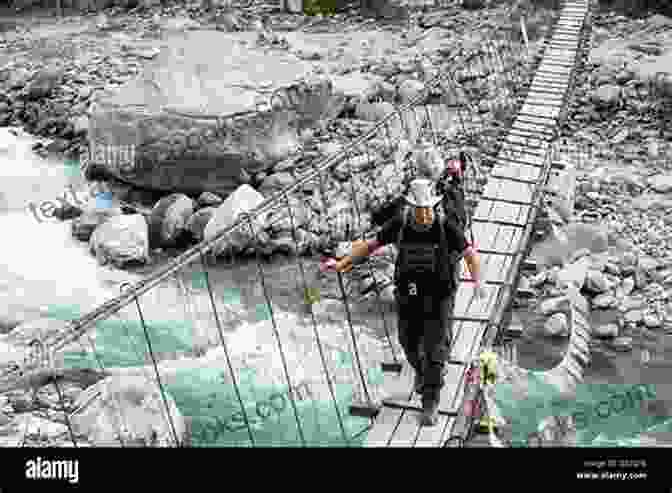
(480, 291)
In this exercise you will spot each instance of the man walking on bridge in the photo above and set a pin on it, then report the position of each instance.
(426, 281)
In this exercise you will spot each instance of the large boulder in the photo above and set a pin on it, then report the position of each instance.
(244, 199)
(198, 221)
(121, 240)
(197, 121)
(168, 221)
(83, 226)
(658, 72)
(44, 82)
(128, 411)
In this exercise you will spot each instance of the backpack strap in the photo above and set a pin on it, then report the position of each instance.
(440, 216)
(404, 223)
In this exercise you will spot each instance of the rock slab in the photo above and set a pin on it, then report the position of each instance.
(194, 120)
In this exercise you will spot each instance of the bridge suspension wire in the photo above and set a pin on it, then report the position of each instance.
(262, 280)
(316, 332)
(353, 193)
(66, 416)
(156, 371)
(343, 290)
(365, 387)
(220, 333)
(381, 311)
(124, 418)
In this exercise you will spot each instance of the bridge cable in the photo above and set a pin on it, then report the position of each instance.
(43, 351)
(262, 280)
(156, 370)
(380, 307)
(340, 283)
(130, 338)
(65, 413)
(320, 177)
(107, 384)
(220, 333)
(315, 330)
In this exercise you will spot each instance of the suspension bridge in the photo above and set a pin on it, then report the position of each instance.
(504, 199)
(503, 222)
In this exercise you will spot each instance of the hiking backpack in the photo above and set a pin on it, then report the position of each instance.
(424, 258)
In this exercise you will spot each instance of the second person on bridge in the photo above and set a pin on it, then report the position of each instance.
(425, 281)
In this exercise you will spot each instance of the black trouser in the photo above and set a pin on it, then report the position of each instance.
(426, 320)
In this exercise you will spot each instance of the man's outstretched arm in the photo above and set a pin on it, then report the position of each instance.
(360, 249)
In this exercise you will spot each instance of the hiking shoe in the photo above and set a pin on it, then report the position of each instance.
(430, 413)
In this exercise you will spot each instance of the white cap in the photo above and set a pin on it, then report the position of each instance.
(420, 193)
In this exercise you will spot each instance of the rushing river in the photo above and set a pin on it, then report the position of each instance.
(46, 272)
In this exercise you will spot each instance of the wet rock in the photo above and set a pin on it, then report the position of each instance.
(67, 211)
(280, 220)
(574, 273)
(168, 220)
(524, 290)
(121, 240)
(31, 430)
(647, 265)
(44, 82)
(652, 321)
(284, 244)
(622, 344)
(198, 221)
(473, 4)
(200, 133)
(606, 95)
(661, 183)
(372, 112)
(552, 305)
(597, 282)
(633, 317)
(277, 181)
(579, 254)
(603, 301)
(207, 199)
(83, 226)
(612, 268)
(358, 86)
(629, 259)
(243, 199)
(538, 279)
(632, 303)
(80, 124)
(127, 410)
(606, 331)
(410, 90)
(557, 325)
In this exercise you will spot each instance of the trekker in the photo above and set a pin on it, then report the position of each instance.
(426, 281)
(449, 185)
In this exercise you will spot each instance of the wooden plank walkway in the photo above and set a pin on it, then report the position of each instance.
(499, 225)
